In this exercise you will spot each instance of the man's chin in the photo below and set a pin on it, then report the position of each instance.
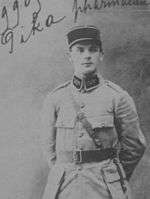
(88, 71)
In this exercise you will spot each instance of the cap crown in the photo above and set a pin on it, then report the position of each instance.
(82, 33)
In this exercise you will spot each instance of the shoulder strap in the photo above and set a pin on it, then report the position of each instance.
(80, 116)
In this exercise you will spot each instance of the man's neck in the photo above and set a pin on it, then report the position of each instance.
(87, 82)
(86, 75)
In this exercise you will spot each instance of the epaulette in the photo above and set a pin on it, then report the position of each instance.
(61, 86)
(114, 86)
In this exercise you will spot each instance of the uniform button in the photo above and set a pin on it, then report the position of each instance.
(80, 167)
(82, 105)
(103, 124)
(81, 134)
(81, 148)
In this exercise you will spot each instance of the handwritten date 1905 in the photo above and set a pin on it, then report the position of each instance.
(8, 33)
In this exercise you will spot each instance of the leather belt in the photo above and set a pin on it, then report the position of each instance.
(81, 156)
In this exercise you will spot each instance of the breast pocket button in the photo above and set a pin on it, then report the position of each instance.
(81, 134)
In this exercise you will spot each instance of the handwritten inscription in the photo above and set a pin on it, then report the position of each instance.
(8, 32)
(16, 31)
(85, 6)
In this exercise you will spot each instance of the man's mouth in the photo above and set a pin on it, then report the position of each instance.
(87, 63)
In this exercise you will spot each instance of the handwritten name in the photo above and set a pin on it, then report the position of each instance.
(8, 33)
(85, 6)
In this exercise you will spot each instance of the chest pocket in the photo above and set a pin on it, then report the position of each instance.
(66, 117)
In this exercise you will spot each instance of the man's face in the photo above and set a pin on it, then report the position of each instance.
(85, 57)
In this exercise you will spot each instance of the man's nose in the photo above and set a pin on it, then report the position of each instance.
(87, 55)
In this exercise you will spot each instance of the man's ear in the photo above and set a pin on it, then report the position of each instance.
(69, 56)
(101, 56)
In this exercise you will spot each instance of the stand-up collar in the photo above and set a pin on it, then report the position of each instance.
(87, 83)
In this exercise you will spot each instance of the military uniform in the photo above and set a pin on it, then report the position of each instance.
(91, 136)
(112, 114)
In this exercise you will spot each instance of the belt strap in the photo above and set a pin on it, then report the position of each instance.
(87, 156)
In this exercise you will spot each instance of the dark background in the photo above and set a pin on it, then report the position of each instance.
(36, 67)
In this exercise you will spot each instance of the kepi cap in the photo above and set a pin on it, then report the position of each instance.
(83, 33)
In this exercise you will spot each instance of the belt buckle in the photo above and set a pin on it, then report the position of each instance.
(77, 156)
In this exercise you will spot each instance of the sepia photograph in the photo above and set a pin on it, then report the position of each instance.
(74, 99)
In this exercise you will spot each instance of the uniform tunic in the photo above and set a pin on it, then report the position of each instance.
(112, 114)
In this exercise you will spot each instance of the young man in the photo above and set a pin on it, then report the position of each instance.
(91, 134)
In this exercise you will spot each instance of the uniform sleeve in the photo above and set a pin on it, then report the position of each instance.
(48, 131)
(132, 141)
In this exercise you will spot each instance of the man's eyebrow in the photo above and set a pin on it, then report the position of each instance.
(93, 46)
(80, 47)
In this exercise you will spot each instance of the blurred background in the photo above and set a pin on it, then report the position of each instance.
(33, 60)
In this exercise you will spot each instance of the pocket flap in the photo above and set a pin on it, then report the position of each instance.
(101, 121)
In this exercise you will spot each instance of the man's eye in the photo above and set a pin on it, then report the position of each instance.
(93, 49)
(80, 49)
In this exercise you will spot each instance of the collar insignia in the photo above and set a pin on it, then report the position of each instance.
(87, 83)
(77, 82)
